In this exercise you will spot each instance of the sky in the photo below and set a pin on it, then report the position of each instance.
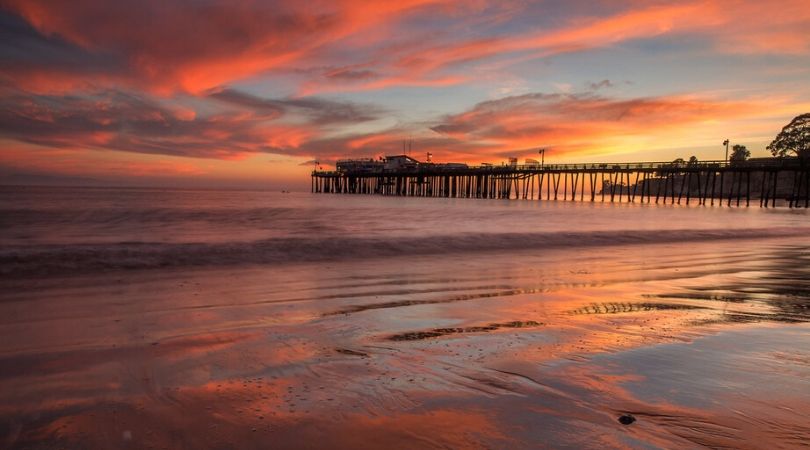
(245, 93)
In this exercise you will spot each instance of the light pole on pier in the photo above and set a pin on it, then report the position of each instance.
(726, 144)
(542, 152)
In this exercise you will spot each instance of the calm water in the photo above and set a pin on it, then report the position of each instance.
(134, 318)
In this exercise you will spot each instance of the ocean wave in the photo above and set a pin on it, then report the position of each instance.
(16, 217)
(67, 259)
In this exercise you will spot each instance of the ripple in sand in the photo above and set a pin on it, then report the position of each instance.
(438, 332)
(627, 307)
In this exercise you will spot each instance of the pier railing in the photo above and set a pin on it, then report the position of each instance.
(771, 163)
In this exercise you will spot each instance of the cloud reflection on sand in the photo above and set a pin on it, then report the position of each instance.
(289, 356)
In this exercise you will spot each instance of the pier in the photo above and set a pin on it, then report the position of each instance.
(766, 182)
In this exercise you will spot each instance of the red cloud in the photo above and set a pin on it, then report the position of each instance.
(189, 46)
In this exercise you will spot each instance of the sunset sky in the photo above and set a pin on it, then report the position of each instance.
(248, 93)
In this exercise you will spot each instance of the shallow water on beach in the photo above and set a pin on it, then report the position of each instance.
(204, 319)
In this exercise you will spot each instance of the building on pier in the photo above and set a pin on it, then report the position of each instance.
(391, 163)
(360, 165)
(400, 162)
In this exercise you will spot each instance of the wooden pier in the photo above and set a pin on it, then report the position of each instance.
(765, 181)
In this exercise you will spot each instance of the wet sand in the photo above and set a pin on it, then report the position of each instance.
(704, 343)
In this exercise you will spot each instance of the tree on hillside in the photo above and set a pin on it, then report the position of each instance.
(794, 138)
(739, 153)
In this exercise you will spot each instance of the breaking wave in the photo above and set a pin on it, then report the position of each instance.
(36, 260)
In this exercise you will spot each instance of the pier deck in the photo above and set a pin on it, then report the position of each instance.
(766, 181)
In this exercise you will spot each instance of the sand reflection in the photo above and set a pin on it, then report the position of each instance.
(519, 350)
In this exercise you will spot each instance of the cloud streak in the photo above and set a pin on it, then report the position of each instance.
(319, 111)
(191, 46)
(570, 124)
(120, 121)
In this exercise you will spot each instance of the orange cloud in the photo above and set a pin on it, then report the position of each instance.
(576, 124)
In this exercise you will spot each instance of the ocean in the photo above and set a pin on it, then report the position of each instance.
(66, 230)
(174, 318)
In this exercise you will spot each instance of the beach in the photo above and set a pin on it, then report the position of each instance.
(150, 318)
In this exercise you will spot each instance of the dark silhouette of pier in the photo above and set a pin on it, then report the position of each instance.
(768, 181)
